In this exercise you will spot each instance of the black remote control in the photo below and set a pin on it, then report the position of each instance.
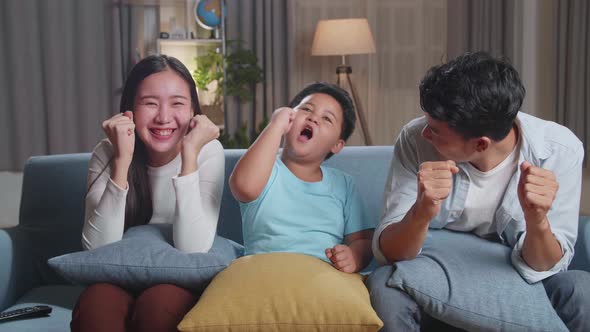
(27, 312)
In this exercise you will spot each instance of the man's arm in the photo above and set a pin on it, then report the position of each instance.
(403, 240)
(537, 189)
(541, 250)
(255, 167)
(549, 247)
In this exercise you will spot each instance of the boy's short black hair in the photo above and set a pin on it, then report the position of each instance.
(475, 94)
(341, 96)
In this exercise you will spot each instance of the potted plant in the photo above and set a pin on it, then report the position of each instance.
(242, 71)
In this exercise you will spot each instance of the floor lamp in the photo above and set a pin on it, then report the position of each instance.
(344, 37)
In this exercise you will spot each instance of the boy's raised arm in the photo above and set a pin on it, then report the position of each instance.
(254, 168)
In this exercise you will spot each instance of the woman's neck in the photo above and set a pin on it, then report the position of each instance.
(162, 158)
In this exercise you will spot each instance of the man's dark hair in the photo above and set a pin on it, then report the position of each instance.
(475, 94)
(341, 96)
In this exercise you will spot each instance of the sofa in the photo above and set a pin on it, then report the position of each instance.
(52, 214)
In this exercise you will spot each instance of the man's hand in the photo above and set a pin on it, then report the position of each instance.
(537, 188)
(435, 181)
(283, 118)
(342, 258)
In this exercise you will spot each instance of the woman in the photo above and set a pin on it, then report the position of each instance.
(160, 163)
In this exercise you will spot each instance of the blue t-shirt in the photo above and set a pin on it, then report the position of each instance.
(292, 215)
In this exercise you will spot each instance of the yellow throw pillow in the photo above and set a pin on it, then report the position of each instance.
(283, 292)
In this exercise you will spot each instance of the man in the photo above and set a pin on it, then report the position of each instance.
(473, 163)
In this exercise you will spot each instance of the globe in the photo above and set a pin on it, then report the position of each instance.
(208, 13)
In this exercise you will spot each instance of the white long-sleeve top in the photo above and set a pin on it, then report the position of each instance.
(191, 203)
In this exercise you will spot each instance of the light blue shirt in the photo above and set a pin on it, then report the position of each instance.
(292, 215)
(543, 143)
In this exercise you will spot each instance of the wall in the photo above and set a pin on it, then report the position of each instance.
(9, 198)
(537, 35)
(410, 37)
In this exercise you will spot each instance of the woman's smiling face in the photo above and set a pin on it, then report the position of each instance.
(162, 112)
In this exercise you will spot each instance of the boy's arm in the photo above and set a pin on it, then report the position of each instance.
(254, 168)
(360, 245)
(355, 254)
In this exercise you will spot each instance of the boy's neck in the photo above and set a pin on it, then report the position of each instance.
(304, 171)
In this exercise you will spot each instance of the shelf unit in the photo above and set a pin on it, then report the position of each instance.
(187, 42)
(186, 50)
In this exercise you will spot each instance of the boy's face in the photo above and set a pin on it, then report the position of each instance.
(316, 129)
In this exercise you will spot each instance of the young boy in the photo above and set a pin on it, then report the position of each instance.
(291, 203)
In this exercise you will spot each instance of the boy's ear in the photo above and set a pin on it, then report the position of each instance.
(337, 147)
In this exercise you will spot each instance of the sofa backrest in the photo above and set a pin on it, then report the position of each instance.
(54, 188)
(368, 165)
(52, 204)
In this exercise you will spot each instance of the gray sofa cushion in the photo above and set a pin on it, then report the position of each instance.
(145, 257)
(469, 282)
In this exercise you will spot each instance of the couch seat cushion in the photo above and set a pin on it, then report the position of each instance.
(61, 299)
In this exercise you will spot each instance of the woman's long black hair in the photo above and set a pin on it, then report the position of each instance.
(139, 207)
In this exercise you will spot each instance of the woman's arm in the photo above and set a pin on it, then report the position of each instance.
(105, 201)
(104, 220)
(198, 200)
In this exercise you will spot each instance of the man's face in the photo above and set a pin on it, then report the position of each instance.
(449, 144)
(316, 128)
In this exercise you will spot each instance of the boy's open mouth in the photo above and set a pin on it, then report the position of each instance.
(306, 134)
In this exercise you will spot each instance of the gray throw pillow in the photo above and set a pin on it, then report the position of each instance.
(145, 257)
(469, 282)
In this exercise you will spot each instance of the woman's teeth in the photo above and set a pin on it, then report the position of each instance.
(162, 132)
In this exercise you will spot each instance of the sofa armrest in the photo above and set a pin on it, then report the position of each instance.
(581, 260)
(17, 271)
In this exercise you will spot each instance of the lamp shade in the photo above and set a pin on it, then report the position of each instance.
(343, 37)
